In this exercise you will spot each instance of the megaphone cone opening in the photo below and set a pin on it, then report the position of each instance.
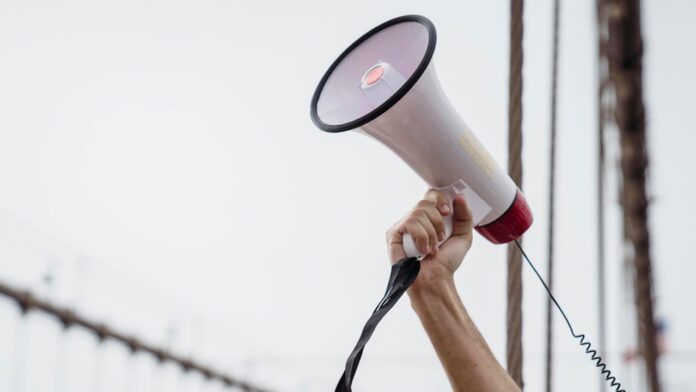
(411, 80)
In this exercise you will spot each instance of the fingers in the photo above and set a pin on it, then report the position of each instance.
(425, 225)
(462, 221)
(419, 233)
(395, 244)
(440, 200)
(434, 217)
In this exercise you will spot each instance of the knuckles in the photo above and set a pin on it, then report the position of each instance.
(421, 210)
(424, 203)
(435, 196)
(391, 232)
(411, 220)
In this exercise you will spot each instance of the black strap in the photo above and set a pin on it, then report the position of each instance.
(403, 273)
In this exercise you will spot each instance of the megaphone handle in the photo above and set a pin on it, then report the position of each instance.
(451, 191)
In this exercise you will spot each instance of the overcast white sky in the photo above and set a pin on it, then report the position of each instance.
(158, 159)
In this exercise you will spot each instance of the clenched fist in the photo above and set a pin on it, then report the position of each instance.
(426, 226)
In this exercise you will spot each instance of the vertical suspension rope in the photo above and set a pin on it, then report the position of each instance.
(552, 187)
(61, 362)
(602, 109)
(625, 53)
(18, 368)
(514, 257)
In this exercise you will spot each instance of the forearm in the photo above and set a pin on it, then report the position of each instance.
(467, 359)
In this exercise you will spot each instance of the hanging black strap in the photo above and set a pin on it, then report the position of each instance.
(403, 273)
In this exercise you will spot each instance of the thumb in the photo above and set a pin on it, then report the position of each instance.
(462, 221)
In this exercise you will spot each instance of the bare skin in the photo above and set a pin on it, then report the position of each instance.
(467, 359)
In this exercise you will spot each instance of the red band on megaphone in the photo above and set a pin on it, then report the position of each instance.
(511, 225)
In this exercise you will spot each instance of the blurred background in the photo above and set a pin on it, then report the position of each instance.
(159, 173)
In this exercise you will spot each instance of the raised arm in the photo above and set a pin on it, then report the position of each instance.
(467, 359)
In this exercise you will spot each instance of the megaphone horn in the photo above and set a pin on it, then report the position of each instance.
(385, 85)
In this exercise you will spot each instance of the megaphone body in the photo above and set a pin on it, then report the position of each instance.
(385, 86)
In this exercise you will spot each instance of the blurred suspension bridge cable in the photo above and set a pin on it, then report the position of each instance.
(514, 257)
(68, 318)
(552, 191)
(625, 54)
(603, 108)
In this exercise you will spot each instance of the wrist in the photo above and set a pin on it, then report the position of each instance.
(436, 291)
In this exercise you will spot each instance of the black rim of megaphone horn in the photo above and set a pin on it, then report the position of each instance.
(432, 38)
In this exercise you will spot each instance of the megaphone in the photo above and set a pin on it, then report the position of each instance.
(385, 86)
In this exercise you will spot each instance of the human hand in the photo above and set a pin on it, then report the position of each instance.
(426, 226)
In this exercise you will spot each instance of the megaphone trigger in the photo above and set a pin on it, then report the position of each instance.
(479, 209)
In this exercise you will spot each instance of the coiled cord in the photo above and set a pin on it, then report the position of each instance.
(581, 337)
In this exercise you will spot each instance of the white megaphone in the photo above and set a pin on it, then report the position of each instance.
(384, 85)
